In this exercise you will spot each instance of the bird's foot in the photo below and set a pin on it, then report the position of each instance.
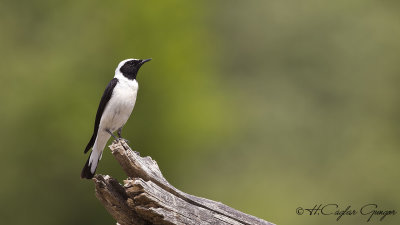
(122, 139)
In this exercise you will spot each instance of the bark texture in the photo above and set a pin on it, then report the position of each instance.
(147, 197)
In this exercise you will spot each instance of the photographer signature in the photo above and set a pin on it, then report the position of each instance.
(369, 210)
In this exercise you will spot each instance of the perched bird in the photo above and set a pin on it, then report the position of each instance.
(115, 107)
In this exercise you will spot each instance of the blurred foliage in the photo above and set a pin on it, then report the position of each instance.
(263, 105)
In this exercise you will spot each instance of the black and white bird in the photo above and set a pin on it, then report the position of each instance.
(115, 107)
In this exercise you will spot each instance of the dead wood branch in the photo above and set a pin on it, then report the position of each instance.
(147, 197)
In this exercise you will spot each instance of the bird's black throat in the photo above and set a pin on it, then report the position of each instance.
(131, 68)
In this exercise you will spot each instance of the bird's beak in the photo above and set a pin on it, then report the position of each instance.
(144, 61)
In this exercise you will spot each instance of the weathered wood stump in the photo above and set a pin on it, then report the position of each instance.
(147, 197)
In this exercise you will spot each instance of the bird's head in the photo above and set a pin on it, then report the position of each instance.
(130, 67)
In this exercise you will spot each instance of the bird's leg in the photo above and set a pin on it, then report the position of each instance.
(119, 135)
(108, 131)
(119, 132)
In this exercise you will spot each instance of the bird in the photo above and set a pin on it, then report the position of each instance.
(114, 110)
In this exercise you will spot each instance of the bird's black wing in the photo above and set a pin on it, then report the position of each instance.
(103, 102)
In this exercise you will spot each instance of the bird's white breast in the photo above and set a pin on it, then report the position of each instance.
(120, 105)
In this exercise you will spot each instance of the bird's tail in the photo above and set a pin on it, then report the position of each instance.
(89, 169)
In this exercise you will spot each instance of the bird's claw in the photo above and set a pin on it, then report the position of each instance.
(122, 139)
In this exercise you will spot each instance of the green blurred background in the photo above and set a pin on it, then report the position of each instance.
(265, 106)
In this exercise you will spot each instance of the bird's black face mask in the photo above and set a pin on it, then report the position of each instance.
(131, 67)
